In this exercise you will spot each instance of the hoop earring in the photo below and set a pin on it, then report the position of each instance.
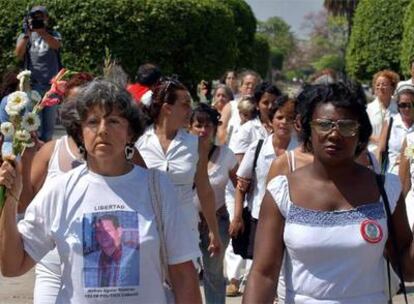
(129, 151)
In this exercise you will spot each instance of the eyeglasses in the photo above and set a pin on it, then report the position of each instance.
(345, 127)
(405, 105)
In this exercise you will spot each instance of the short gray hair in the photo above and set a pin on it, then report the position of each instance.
(109, 96)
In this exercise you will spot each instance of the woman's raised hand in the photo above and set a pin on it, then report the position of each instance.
(10, 178)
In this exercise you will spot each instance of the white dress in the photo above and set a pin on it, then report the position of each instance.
(180, 165)
(334, 256)
(409, 200)
(48, 273)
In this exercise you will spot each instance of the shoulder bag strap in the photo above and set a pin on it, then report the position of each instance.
(391, 231)
(155, 197)
(256, 153)
(384, 154)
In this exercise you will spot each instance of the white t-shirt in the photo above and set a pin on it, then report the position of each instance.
(249, 132)
(233, 126)
(63, 215)
(264, 161)
(377, 116)
(334, 256)
(218, 174)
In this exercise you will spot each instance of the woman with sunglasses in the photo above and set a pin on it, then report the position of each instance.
(328, 217)
(167, 146)
(406, 167)
(402, 124)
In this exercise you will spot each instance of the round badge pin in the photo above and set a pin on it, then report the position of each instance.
(371, 231)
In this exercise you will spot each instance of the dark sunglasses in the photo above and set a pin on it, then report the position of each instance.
(405, 105)
(345, 127)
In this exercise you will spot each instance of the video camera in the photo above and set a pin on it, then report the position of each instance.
(33, 21)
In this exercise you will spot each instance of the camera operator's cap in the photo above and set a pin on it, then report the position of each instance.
(39, 9)
(405, 88)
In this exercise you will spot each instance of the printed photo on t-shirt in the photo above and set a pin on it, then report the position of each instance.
(110, 249)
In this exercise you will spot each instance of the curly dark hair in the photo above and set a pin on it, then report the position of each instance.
(341, 96)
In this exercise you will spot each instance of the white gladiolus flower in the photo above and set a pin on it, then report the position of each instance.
(30, 144)
(30, 122)
(409, 152)
(25, 73)
(16, 102)
(35, 96)
(7, 129)
(22, 135)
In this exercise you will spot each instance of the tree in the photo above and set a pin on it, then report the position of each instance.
(281, 39)
(342, 8)
(245, 23)
(407, 45)
(195, 39)
(375, 40)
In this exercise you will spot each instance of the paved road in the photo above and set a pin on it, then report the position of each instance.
(19, 291)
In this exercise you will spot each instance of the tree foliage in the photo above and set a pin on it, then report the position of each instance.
(196, 39)
(375, 38)
(407, 45)
(280, 37)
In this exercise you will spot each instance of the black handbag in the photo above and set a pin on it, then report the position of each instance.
(243, 244)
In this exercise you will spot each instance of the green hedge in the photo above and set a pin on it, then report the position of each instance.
(196, 39)
(261, 55)
(407, 45)
(375, 41)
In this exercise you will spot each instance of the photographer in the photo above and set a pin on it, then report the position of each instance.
(39, 48)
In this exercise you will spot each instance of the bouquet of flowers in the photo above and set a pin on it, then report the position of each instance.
(17, 132)
(409, 152)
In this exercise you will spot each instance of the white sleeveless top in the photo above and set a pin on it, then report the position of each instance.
(218, 175)
(62, 156)
(327, 259)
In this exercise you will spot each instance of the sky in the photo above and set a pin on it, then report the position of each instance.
(292, 11)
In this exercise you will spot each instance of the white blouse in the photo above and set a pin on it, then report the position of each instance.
(398, 133)
(334, 256)
(258, 181)
(377, 115)
(249, 132)
(180, 164)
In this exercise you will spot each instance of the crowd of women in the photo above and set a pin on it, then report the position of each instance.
(294, 198)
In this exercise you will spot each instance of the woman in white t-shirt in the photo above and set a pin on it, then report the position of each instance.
(282, 115)
(100, 216)
(167, 146)
(328, 218)
(261, 126)
(222, 166)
